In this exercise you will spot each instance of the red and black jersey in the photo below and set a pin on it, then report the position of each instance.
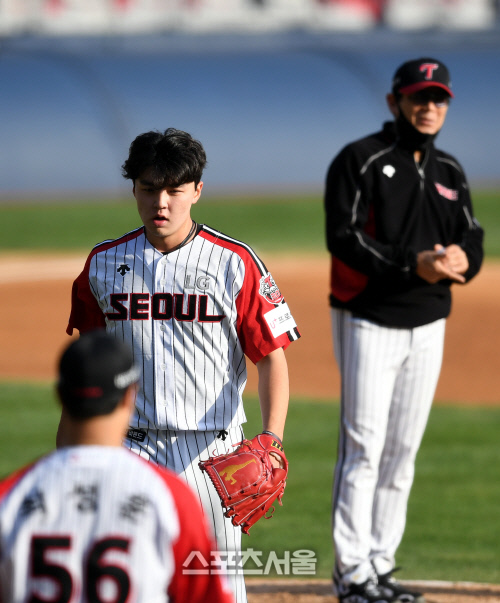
(190, 317)
(98, 523)
(382, 208)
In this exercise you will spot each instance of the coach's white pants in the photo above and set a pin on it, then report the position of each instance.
(181, 451)
(388, 380)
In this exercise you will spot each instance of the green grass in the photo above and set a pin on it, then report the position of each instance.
(60, 226)
(29, 419)
(487, 211)
(269, 224)
(453, 519)
(303, 522)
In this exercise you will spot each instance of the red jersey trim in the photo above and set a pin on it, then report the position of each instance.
(238, 247)
(86, 314)
(7, 484)
(248, 303)
(346, 282)
(194, 536)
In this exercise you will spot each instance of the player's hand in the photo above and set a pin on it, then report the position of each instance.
(457, 259)
(276, 461)
(435, 265)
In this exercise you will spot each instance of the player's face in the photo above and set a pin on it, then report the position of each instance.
(165, 212)
(426, 109)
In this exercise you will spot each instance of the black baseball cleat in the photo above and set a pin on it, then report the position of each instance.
(390, 586)
(367, 592)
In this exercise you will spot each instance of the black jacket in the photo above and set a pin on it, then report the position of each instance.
(382, 208)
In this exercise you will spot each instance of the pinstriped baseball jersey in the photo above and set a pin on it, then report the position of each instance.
(190, 316)
(96, 523)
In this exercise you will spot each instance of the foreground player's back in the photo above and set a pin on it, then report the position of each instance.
(97, 523)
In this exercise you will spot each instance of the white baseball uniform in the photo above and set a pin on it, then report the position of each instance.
(190, 316)
(97, 523)
(380, 434)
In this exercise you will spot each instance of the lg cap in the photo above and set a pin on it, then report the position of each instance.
(418, 74)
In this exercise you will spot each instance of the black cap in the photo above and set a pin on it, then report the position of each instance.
(415, 75)
(94, 372)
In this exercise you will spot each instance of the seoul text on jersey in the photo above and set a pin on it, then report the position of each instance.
(161, 306)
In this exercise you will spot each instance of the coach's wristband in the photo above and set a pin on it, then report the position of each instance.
(273, 435)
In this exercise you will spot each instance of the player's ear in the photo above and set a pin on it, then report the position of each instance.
(392, 104)
(198, 190)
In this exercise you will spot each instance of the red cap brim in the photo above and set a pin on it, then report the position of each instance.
(421, 85)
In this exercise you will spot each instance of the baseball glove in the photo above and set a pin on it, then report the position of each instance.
(246, 480)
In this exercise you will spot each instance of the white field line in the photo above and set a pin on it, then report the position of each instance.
(36, 267)
(422, 584)
(26, 267)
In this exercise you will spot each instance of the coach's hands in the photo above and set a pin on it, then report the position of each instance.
(457, 259)
(442, 263)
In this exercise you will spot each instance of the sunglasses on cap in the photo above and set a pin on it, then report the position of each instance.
(430, 95)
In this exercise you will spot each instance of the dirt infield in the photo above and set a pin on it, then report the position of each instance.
(35, 295)
(320, 591)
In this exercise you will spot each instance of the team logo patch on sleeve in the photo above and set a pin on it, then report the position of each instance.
(447, 193)
(269, 290)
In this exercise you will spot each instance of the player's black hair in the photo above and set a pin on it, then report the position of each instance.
(174, 158)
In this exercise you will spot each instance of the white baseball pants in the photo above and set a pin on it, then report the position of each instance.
(181, 451)
(388, 381)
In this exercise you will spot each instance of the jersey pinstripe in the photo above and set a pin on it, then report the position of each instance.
(191, 316)
(385, 403)
(99, 523)
(181, 451)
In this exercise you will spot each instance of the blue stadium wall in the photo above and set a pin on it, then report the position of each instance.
(271, 110)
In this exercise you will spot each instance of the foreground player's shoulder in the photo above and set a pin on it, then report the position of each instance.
(9, 483)
(194, 547)
(161, 478)
(190, 516)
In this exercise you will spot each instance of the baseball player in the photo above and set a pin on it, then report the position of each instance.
(92, 521)
(190, 303)
(400, 230)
